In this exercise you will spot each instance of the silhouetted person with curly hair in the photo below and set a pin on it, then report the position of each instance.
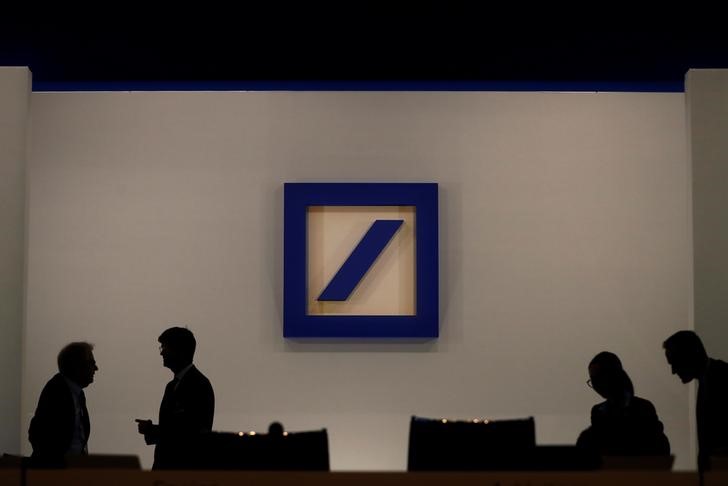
(61, 424)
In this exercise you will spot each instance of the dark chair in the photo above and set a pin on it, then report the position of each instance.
(274, 451)
(459, 445)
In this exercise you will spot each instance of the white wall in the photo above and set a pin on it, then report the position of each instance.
(707, 95)
(564, 231)
(14, 107)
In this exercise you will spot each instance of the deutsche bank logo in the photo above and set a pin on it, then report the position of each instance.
(360, 260)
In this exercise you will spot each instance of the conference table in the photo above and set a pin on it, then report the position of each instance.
(111, 477)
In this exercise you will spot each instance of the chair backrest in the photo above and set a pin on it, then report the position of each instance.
(463, 445)
(292, 451)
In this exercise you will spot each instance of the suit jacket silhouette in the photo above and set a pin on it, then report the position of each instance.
(185, 414)
(633, 430)
(51, 429)
(712, 412)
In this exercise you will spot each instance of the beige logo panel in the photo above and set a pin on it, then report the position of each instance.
(388, 288)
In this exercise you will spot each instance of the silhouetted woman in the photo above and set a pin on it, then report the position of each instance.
(623, 424)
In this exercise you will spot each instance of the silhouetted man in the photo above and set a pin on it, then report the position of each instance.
(187, 407)
(61, 424)
(686, 355)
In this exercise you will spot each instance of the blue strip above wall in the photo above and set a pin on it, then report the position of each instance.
(586, 86)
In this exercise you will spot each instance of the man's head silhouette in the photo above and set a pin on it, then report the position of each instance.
(608, 378)
(76, 362)
(177, 347)
(686, 355)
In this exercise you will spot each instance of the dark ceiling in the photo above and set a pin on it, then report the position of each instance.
(364, 41)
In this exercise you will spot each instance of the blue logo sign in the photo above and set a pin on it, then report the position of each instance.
(360, 260)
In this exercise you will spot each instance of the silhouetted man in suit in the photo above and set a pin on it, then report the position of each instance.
(187, 407)
(686, 355)
(61, 424)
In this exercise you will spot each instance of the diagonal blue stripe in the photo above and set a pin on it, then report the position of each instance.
(360, 260)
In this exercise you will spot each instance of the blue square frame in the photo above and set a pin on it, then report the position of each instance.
(298, 197)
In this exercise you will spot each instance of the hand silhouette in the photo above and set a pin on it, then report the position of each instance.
(144, 425)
